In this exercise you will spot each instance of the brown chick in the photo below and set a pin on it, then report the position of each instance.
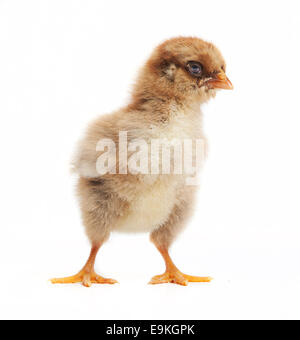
(180, 75)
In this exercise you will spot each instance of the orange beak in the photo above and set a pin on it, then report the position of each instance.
(221, 82)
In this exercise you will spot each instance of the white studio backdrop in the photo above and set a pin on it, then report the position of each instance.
(62, 63)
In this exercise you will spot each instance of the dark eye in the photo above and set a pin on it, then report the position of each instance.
(194, 68)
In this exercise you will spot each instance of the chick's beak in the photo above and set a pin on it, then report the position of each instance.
(220, 81)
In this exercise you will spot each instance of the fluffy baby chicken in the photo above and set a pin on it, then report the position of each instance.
(180, 75)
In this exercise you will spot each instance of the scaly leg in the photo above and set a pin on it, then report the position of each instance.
(173, 274)
(87, 274)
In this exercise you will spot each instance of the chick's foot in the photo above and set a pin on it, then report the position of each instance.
(177, 277)
(86, 278)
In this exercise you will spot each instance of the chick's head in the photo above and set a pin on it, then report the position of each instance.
(187, 69)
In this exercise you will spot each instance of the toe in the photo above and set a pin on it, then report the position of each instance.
(159, 279)
(179, 279)
(100, 279)
(70, 279)
(86, 281)
(111, 281)
(198, 278)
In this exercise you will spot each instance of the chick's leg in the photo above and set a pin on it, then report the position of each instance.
(164, 236)
(87, 275)
(173, 274)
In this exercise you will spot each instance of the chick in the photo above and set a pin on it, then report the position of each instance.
(180, 75)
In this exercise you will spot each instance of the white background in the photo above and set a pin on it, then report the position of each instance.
(62, 63)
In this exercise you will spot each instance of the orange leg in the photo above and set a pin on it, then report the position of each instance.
(87, 275)
(173, 274)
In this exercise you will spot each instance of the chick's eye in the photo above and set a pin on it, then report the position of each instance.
(194, 68)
